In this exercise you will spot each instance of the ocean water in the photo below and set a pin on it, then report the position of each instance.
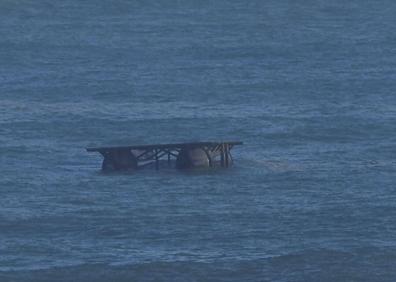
(308, 86)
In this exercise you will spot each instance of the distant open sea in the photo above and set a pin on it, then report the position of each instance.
(308, 86)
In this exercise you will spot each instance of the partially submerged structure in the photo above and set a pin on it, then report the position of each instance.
(180, 155)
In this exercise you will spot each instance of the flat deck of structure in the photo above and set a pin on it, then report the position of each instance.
(164, 146)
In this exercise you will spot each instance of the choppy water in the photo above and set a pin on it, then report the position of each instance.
(309, 87)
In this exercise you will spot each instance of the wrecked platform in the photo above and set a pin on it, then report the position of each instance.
(179, 155)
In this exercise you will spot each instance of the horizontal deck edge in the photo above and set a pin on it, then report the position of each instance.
(163, 146)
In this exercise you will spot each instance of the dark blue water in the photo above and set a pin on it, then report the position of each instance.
(308, 86)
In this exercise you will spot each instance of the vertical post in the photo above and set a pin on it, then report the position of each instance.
(226, 155)
(208, 155)
(156, 159)
(222, 155)
(168, 158)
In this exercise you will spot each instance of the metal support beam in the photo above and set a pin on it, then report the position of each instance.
(206, 150)
(222, 155)
(156, 160)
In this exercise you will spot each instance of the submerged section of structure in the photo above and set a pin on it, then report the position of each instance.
(119, 159)
(190, 158)
(181, 155)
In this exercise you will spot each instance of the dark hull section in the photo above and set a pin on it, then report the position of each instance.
(190, 158)
(121, 159)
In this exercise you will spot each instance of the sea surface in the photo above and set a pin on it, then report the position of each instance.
(308, 86)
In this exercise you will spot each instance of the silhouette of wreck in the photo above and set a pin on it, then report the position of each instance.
(181, 155)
